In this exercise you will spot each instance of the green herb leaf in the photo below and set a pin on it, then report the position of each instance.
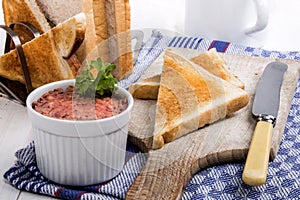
(97, 77)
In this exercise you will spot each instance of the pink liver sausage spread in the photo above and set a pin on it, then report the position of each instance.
(61, 104)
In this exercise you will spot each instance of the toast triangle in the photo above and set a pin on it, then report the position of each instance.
(45, 55)
(25, 11)
(214, 63)
(147, 88)
(189, 98)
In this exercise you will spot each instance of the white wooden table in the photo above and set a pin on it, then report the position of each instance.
(283, 35)
(14, 134)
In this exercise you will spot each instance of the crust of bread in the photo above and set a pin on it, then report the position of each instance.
(189, 98)
(209, 60)
(45, 54)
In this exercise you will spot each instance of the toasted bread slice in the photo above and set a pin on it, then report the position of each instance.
(45, 55)
(189, 98)
(58, 11)
(105, 19)
(214, 63)
(146, 89)
(108, 34)
(26, 11)
(209, 60)
(91, 39)
(118, 20)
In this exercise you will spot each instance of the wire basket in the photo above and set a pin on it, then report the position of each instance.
(15, 90)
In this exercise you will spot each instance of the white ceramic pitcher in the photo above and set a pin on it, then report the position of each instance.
(240, 21)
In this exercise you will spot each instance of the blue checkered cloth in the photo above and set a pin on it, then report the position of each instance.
(220, 182)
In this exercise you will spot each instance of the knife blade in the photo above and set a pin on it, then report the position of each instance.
(265, 109)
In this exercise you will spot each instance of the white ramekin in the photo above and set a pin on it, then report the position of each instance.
(78, 152)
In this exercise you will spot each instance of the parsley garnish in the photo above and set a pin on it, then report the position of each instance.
(97, 77)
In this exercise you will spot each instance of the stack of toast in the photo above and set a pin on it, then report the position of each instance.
(70, 31)
(190, 93)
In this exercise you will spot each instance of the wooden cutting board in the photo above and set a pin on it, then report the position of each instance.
(168, 170)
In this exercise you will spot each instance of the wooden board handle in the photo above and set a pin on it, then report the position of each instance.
(256, 167)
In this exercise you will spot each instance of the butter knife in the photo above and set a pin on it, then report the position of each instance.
(265, 110)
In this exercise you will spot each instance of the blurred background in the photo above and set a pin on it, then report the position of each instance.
(282, 32)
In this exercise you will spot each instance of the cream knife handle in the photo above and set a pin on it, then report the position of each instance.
(256, 167)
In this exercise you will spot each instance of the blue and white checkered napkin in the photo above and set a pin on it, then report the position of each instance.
(220, 182)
